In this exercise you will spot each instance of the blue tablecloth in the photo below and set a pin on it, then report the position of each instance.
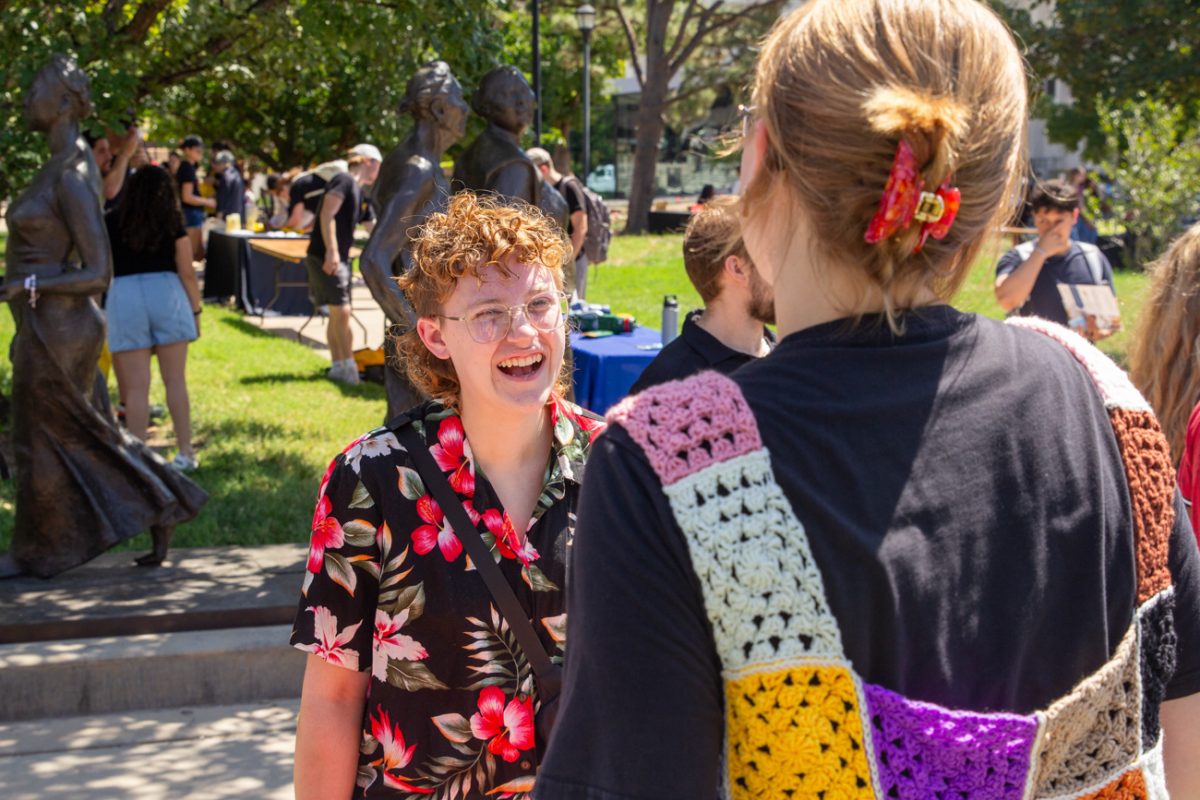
(605, 368)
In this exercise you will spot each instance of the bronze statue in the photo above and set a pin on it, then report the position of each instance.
(410, 187)
(495, 162)
(82, 485)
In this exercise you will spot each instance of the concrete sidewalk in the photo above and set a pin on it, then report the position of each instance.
(208, 752)
(367, 327)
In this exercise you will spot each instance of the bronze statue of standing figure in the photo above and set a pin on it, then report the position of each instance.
(82, 485)
(495, 161)
(410, 187)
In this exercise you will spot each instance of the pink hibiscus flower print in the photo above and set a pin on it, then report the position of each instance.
(390, 643)
(508, 729)
(438, 532)
(453, 454)
(330, 644)
(326, 533)
(395, 755)
(506, 537)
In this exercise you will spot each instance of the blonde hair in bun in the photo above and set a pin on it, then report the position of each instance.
(840, 82)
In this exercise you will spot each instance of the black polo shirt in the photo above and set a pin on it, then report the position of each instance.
(692, 351)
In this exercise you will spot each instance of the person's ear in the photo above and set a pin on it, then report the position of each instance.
(430, 331)
(735, 270)
(437, 109)
(1074, 216)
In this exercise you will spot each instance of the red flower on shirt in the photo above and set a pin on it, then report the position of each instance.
(326, 532)
(395, 754)
(506, 537)
(438, 532)
(508, 727)
(453, 454)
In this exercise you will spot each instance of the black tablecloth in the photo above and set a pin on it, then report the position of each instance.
(235, 268)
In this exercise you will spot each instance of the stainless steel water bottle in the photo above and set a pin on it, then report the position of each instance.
(670, 319)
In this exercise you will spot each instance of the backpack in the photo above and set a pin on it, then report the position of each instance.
(599, 229)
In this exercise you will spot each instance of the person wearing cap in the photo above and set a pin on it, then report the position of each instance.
(328, 260)
(229, 185)
(193, 204)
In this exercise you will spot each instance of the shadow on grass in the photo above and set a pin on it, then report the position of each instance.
(249, 328)
(260, 492)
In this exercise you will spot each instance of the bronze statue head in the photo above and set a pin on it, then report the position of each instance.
(505, 99)
(60, 88)
(434, 93)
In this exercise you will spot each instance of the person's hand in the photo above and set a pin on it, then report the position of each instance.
(130, 142)
(197, 318)
(330, 266)
(1057, 240)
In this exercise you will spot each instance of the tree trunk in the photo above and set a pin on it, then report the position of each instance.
(650, 116)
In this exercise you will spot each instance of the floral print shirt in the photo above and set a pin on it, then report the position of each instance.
(388, 588)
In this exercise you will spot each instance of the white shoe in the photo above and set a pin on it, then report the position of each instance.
(184, 463)
(347, 375)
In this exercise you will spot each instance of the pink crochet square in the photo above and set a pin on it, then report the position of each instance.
(685, 426)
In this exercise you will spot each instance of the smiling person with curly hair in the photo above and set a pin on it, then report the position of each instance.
(415, 683)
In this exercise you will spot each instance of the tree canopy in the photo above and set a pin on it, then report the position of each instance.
(288, 83)
(1109, 51)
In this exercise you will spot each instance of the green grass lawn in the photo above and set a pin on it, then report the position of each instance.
(267, 422)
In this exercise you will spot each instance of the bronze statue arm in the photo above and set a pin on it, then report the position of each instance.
(389, 240)
(85, 225)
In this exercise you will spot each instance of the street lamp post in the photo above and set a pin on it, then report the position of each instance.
(585, 15)
(535, 11)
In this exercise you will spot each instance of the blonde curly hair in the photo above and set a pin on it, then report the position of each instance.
(473, 233)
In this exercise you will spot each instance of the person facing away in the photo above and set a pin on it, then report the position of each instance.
(729, 331)
(328, 260)
(1028, 276)
(1164, 357)
(912, 552)
(412, 669)
(230, 186)
(577, 225)
(154, 304)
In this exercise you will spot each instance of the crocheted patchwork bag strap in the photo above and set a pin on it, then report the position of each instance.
(1144, 452)
(685, 426)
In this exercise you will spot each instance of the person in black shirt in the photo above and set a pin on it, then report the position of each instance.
(230, 186)
(1028, 276)
(189, 194)
(577, 224)
(328, 261)
(154, 303)
(729, 331)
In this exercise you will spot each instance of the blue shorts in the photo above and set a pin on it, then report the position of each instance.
(146, 310)
(193, 217)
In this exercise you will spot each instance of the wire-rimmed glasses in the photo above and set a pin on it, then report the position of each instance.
(491, 323)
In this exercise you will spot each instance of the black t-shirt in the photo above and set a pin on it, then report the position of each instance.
(127, 261)
(231, 193)
(187, 174)
(308, 190)
(348, 215)
(695, 349)
(966, 505)
(569, 188)
(1044, 300)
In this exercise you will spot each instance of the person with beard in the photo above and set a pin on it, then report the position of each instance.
(729, 331)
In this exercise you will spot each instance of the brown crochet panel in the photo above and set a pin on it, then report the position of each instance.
(1151, 481)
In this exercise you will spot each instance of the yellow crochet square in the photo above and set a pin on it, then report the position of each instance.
(796, 733)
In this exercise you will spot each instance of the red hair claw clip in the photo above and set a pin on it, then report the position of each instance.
(905, 199)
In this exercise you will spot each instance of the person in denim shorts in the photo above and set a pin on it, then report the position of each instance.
(154, 303)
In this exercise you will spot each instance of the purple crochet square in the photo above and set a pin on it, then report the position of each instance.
(923, 751)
